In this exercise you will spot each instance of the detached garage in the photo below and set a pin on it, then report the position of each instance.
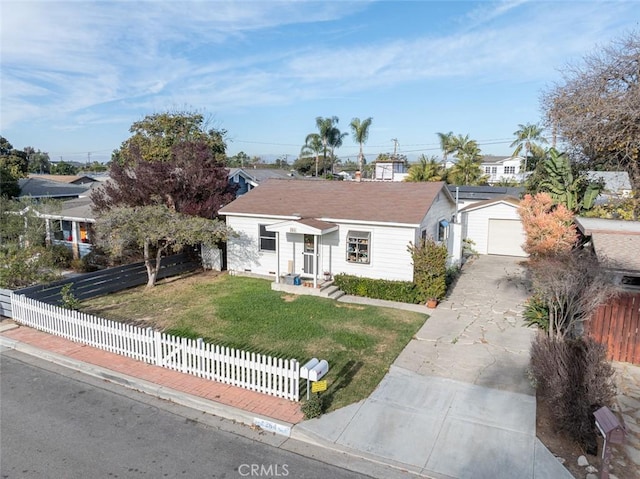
(494, 226)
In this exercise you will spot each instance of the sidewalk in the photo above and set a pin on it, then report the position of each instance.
(227, 401)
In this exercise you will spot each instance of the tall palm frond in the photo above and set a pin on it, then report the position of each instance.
(360, 131)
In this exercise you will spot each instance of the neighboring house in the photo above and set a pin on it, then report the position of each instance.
(40, 188)
(616, 244)
(498, 168)
(245, 181)
(494, 226)
(72, 226)
(68, 179)
(616, 184)
(390, 170)
(311, 227)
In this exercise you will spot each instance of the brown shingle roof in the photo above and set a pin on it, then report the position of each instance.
(618, 250)
(393, 202)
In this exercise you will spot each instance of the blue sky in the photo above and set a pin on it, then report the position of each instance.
(75, 75)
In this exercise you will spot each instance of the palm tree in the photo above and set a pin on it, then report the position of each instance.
(335, 141)
(425, 170)
(527, 136)
(313, 145)
(446, 145)
(325, 125)
(467, 170)
(360, 131)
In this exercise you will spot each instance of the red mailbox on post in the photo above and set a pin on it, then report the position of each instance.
(613, 433)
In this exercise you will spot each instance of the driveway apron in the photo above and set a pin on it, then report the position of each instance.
(457, 402)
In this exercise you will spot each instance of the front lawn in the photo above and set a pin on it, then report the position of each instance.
(359, 342)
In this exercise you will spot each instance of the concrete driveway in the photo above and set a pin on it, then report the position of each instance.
(457, 402)
(477, 335)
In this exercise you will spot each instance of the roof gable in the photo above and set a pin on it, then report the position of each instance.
(385, 202)
(506, 200)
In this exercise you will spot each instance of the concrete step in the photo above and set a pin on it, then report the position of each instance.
(336, 294)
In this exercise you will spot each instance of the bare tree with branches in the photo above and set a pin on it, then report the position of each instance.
(596, 110)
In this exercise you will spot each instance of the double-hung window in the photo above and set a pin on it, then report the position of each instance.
(358, 246)
(267, 239)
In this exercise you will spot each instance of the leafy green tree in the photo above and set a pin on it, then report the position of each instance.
(155, 230)
(360, 131)
(38, 161)
(239, 160)
(13, 166)
(304, 165)
(427, 169)
(565, 185)
(527, 137)
(63, 168)
(154, 137)
(94, 167)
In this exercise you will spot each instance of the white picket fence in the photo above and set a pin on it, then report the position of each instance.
(257, 372)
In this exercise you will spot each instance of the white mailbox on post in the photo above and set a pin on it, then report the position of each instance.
(319, 370)
(313, 370)
(308, 366)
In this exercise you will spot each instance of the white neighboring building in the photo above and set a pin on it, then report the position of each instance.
(499, 168)
(391, 170)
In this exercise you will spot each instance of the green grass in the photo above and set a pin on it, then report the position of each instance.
(359, 342)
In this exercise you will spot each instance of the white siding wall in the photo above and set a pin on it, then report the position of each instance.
(476, 222)
(389, 258)
(243, 253)
(442, 209)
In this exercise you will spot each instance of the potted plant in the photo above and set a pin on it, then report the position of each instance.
(327, 275)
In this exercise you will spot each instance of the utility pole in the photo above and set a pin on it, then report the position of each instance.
(395, 146)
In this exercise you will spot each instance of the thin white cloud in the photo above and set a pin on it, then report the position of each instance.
(77, 57)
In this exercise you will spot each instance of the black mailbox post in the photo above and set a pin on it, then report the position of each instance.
(613, 433)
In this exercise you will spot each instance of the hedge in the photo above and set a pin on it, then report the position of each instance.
(403, 291)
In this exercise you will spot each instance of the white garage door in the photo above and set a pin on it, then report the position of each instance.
(505, 237)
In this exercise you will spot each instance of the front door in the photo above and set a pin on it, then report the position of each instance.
(309, 255)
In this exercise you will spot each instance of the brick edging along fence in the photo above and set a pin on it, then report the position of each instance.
(256, 372)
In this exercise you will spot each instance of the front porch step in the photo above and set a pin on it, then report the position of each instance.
(332, 292)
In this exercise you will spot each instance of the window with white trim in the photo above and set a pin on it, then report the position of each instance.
(443, 230)
(358, 246)
(267, 239)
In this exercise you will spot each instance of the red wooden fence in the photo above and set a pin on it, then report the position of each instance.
(617, 326)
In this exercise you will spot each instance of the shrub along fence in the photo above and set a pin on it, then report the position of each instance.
(265, 374)
(617, 326)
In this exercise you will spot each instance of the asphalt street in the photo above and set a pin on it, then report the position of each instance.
(58, 423)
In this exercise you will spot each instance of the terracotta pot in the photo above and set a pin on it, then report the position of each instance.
(432, 303)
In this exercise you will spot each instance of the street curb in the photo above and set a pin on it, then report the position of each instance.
(302, 435)
(178, 397)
